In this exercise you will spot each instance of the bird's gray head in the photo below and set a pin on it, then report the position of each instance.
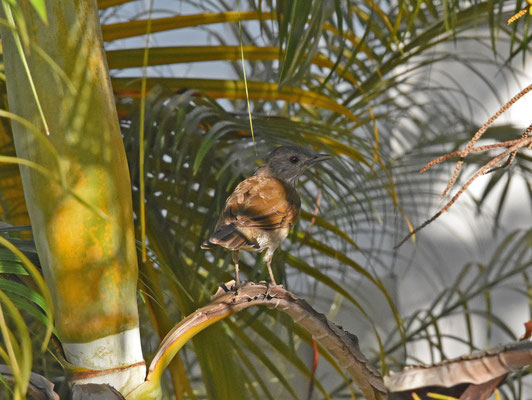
(287, 163)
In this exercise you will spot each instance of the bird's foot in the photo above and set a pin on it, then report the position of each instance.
(223, 288)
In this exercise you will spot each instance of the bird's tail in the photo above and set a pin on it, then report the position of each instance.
(230, 237)
(208, 244)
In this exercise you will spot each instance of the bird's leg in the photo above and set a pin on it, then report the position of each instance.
(268, 260)
(236, 259)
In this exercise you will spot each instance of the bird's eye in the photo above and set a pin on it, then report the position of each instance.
(294, 159)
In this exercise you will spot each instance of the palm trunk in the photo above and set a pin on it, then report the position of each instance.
(80, 210)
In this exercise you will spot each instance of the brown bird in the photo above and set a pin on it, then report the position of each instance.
(263, 208)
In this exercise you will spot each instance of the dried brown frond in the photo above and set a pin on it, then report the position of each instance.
(459, 153)
(466, 377)
(512, 147)
(479, 134)
(512, 156)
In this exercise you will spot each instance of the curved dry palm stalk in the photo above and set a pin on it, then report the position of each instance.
(512, 147)
(341, 344)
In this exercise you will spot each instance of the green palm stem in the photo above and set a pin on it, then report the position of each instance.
(81, 211)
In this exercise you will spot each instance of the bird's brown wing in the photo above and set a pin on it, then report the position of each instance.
(258, 202)
(262, 202)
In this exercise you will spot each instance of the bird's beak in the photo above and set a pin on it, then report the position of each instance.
(318, 158)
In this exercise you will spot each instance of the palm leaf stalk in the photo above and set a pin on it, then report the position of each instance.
(343, 345)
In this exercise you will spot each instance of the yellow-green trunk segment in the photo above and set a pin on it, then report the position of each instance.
(85, 242)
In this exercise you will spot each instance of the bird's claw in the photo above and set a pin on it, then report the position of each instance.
(225, 288)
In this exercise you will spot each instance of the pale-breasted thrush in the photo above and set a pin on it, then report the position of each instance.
(263, 208)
